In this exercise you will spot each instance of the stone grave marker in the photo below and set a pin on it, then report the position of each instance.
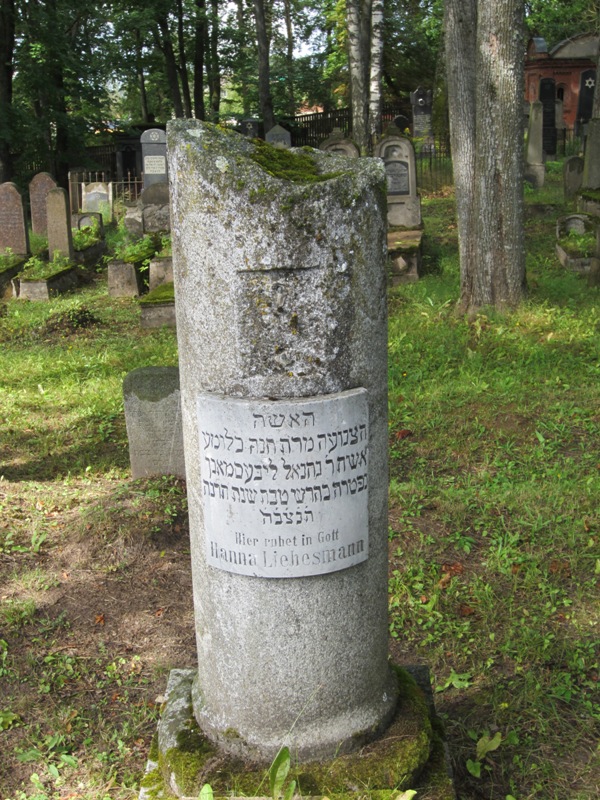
(278, 136)
(153, 420)
(60, 238)
(156, 213)
(535, 170)
(337, 142)
(13, 225)
(154, 156)
(251, 128)
(282, 340)
(572, 176)
(39, 186)
(420, 101)
(96, 196)
(88, 219)
(591, 168)
(404, 205)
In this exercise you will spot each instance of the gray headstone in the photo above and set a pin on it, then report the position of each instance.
(591, 168)
(339, 144)
(39, 186)
(279, 137)
(154, 156)
(421, 107)
(13, 226)
(534, 168)
(284, 297)
(153, 420)
(123, 279)
(96, 196)
(88, 219)
(156, 212)
(404, 206)
(60, 238)
(251, 128)
(572, 176)
(160, 271)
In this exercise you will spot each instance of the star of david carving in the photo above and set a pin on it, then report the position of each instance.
(590, 83)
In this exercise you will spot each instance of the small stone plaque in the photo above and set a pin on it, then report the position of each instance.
(155, 165)
(285, 483)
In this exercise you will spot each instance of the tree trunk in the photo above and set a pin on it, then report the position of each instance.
(200, 36)
(7, 44)
(162, 39)
(182, 62)
(139, 65)
(485, 92)
(596, 103)
(376, 57)
(358, 18)
(289, 58)
(242, 25)
(264, 75)
(214, 73)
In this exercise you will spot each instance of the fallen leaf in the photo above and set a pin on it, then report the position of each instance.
(445, 581)
(465, 610)
(99, 619)
(159, 612)
(403, 434)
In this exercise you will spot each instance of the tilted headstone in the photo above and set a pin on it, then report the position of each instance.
(13, 225)
(279, 137)
(420, 100)
(281, 321)
(39, 186)
(535, 170)
(338, 143)
(153, 420)
(88, 219)
(60, 238)
(154, 156)
(156, 215)
(572, 176)
(404, 204)
(97, 196)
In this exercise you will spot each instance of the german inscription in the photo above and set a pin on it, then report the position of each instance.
(155, 165)
(285, 483)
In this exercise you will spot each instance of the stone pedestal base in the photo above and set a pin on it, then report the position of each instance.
(404, 251)
(44, 289)
(123, 279)
(535, 174)
(157, 315)
(411, 754)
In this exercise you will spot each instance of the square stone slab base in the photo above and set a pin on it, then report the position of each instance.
(178, 736)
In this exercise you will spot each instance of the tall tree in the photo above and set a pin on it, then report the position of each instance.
(7, 47)
(264, 69)
(484, 61)
(365, 53)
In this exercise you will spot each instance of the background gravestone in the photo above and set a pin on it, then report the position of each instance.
(535, 170)
(337, 143)
(60, 237)
(591, 167)
(420, 100)
(154, 156)
(572, 176)
(404, 205)
(13, 225)
(39, 186)
(279, 137)
(96, 196)
(251, 128)
(156, 213)
(284, 298)
(153, 420)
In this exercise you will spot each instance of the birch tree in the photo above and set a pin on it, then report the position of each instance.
(364, 19)
(484, 61)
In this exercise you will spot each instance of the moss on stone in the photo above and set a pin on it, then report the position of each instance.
(165, 293)
(297, 167)
(591, 194)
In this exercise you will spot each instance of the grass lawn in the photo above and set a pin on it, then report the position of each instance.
(494, 531)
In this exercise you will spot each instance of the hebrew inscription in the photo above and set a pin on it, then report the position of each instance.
(285, 483)
(155, 165)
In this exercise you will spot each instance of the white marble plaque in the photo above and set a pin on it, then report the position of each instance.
(285, 483)
(155, 165)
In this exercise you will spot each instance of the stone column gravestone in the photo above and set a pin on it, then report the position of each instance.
(279, 137)
(13, 225)
(535, 170)
(60, 238)
(572, 176)
(154, 156)
(420, 101)
(281, 321)
(39, 186)
(404, 205)
(337, 143)
(153, 420)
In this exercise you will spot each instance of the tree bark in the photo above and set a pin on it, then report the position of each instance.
(376, 58)
(182, 62)
(140, 74)
(7, 45)
(214, 72)
(289, 58)
(200, 37)
(484, 51)
(264, 76)
(358, 20)
(162, 39)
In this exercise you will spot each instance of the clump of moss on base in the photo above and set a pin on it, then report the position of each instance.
(165, 293)
(590, 194)
(287, 165)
